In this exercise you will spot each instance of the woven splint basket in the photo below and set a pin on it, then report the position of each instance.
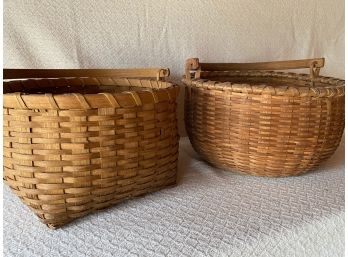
(263, 123)
(77, 141)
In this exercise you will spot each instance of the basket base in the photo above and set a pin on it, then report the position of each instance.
(66, 222)
(232, 165)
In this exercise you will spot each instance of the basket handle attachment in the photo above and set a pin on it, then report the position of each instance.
(194, 67)
(158, 74)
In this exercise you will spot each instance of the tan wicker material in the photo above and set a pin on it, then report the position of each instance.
(263, 123)
(77, 141)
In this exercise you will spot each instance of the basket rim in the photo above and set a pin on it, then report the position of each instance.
(335, 87)
(156, 92)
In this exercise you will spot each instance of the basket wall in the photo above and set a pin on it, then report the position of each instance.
(264, 131)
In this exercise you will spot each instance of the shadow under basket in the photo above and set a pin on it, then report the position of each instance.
(77, 141)
(263, 123)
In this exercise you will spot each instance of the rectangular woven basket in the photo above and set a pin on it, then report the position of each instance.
(77, 141)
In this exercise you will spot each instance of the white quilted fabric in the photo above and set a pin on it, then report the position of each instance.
(210, 213)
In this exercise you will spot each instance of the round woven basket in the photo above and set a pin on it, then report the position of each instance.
(263, 123)
(76, 141)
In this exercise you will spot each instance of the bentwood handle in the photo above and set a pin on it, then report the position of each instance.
(66, 73)
(193, 65)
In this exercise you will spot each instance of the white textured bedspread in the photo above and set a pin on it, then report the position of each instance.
(210, 213)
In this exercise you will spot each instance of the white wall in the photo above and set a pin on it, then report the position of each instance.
(149, 33)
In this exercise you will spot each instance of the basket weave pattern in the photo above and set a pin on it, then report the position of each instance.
(66, 155)
(264, 123)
